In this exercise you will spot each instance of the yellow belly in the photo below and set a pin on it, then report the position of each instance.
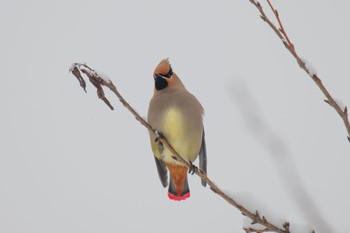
(176, 129)
(174, 125)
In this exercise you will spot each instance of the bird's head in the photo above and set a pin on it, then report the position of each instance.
(164, 76)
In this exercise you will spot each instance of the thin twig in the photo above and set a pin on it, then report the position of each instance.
(98, 82)
(252, 230)
(281, 25)
(281, 33)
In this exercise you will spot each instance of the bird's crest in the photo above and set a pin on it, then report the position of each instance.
(164, 68)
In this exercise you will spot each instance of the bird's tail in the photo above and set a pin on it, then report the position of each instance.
(172, 193)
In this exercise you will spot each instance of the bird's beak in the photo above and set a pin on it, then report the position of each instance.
(157, 76)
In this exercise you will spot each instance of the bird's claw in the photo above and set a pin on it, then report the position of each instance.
(192, 169)
(159, 136)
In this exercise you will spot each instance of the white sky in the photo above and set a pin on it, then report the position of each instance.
(69, 164)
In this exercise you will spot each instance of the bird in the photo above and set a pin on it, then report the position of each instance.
(177, 115)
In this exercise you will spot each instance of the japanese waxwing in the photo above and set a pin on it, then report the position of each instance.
(177, 114)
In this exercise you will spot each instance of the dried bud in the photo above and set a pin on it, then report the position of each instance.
(75, 71)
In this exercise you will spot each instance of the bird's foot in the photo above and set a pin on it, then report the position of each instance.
(192, 169)
(159, 135)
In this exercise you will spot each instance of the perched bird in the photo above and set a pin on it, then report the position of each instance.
(177, 115)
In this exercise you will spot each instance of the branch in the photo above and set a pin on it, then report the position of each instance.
(281, 33)
(252, 230)
(99, 81)
(281, 26)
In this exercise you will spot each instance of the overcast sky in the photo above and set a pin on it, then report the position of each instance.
(69, 164)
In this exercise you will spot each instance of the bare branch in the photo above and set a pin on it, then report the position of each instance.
(75, 71)
(286, 226)
(98, 82)
(281, 33)
(252, 230)
(281, 25)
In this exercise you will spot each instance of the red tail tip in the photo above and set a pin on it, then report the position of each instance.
(178, 198)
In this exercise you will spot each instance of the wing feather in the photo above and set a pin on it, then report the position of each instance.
(162, 172)
(203, 158)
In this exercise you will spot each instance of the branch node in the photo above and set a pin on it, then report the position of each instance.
(257, 214)
(213, 189)
(286, 226)
(276, 13)
(256, 218)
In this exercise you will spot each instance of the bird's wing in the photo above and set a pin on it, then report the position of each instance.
(203, 158)
(162, 171)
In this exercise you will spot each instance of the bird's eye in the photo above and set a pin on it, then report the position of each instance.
(169, 74)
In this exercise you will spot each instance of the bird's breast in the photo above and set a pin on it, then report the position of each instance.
(174, 124)
(181, 133)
